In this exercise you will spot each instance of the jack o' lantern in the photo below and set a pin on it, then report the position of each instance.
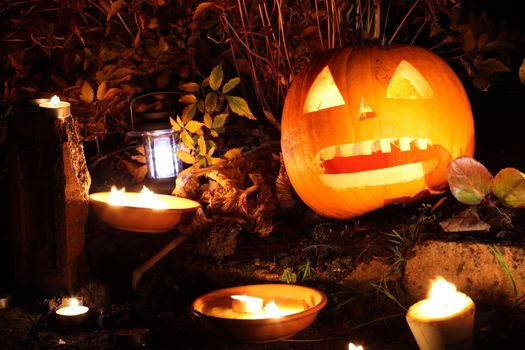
(367, 127)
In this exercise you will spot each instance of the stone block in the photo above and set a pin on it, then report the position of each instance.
(471, 266)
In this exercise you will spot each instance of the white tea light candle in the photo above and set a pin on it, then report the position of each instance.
(71, 313)
(55, 108)
(246, 303)
(351, 346)
(444, 320)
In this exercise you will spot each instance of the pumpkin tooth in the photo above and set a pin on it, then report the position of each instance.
(404, 144)
(328, 153)
(421, 144)
(366, 147)
(347, 150)
(385, 146)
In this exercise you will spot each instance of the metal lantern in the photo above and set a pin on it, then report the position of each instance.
(160, 147)
(159, 139)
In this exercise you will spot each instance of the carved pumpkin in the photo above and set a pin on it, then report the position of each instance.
(366, 127)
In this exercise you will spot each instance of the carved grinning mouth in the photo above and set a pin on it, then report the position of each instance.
(375, 162)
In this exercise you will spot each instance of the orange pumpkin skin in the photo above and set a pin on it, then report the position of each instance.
(363, 128)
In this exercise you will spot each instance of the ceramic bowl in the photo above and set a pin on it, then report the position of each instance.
(138, 219)
(210, 308)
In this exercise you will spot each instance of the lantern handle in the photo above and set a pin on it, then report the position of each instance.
(133, 132)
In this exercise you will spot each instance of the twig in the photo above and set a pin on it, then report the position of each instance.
(95, 163)
(139, 271)
(403, 22)
(377, 320)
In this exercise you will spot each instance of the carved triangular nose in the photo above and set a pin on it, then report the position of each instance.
(365, 111)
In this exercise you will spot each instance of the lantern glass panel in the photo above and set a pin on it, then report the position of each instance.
(160, 148)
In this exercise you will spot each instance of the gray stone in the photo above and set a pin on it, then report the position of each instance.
(471, 266)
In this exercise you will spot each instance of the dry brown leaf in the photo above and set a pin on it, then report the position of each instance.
(466, 221)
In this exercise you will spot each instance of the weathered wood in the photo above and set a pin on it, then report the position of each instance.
(49, 186)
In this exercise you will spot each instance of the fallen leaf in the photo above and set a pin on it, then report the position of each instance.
(466, 221)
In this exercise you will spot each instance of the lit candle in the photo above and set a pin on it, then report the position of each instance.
(55, 108)
(444, 320)
(351, 346)
(146, 199)
(246, 303)
(71, 312)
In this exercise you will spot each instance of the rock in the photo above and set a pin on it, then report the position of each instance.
(49, 186)
(471, 266)
(366, 273)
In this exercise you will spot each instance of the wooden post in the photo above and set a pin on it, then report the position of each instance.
(49, 186)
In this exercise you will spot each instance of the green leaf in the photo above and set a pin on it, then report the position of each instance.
(509, 187)
(202, 145)
(211, 147)
(186, 157)
(174, 124)
(189, 87)
(200, 106)
(211, 102)
(187, 140)
(207, 121)
(188, 99)
(230, 85)
(239, 106)
(213, 160)
(219, 120)
(216, 77)
(188, 112)
(193, 126)
(469, 180)
(179, 121)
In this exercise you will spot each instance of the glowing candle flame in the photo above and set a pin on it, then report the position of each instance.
(55, 100)
(146, 199)
(246, 303)
(443, 300)
(351, 346)
(73, 302)
(117, 197)
(273, 310)
(73, 308)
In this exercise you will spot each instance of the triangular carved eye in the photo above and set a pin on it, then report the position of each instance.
(407, 83)
(365, 111)
(323, 93)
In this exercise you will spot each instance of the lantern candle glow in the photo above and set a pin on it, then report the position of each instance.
(444, 320)
(160, 148)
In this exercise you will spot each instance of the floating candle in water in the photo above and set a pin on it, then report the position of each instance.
(246, 303)
(146, 199)
(444, 320)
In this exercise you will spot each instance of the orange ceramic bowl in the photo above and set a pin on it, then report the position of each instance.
(137, 219)
(214, 312)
